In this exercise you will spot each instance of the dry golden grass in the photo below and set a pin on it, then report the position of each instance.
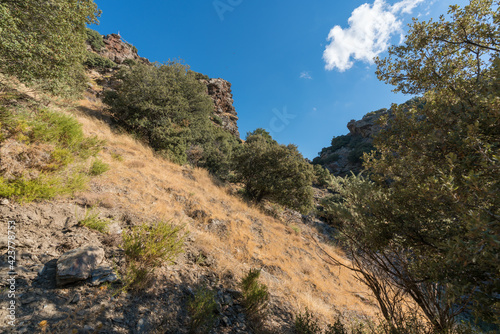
(145, 184)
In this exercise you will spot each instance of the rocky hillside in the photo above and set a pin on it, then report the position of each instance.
(345, 153)
(68, 275)
(119, 51)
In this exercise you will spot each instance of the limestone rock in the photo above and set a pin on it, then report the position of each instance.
(77, 264)
(224, 112)
(117, 50)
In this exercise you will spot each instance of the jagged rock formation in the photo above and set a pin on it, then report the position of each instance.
(224, 112)
(344, 156)
(117, 50)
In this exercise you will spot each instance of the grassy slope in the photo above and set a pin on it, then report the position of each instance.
(149, 185)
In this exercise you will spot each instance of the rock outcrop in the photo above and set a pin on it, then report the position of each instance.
(367, 126)
(117, 50)
(344, 156)
(224, 112)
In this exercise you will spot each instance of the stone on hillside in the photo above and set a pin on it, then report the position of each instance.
(103, 275)
(77, 264)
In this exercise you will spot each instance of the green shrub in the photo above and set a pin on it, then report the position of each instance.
(255, 295)
(148, 247)
(95, 39)
(202, 310)
(164, 105)
(356, 155)
(46, 186)
(306, 323)
(275, 172)
(117, 156)
(60, 157)
(129, 62)
(322, 176)
(98, 167)
(201, 76)
(92, 221)
(217, 119)
(167, 107)
(54, 127)
(97, 61)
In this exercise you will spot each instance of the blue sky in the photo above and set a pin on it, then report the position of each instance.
(300, 69)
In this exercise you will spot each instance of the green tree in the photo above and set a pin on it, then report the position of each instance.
(167, 106)
(273, 171)
(426, 221)
(44, 41)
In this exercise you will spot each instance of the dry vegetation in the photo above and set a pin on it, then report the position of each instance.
(145, 184)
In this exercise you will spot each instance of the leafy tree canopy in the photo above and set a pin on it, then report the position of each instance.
(44, 41)
(427, 220)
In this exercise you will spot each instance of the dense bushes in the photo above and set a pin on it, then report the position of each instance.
(273, 171)
(95, 39)
(44, 41)
(96, 61)
(168, 107)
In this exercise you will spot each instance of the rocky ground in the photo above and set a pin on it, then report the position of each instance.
(58, 291)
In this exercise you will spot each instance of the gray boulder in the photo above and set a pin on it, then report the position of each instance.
(78, 264)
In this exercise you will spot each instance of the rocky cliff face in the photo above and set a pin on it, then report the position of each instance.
(224, 112)
(117, 50)
(345, 154)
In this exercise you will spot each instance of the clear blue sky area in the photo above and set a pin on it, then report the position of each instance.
(274, 55)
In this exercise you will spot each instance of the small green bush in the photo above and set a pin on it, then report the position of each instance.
(98, 167)
(117, 156)
(95, 39)
(129, 62)
(306, 323)
(97, 61)
(255, 295)
(322, 176)
(202, 309)
(46, 186)
(54, 127)
(91, 220)
(147, 247)
(60, 157)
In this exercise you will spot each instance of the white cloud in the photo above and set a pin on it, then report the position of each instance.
(369, 33)
(305, 75)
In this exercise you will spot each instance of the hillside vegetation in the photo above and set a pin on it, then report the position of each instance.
(136, 210)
